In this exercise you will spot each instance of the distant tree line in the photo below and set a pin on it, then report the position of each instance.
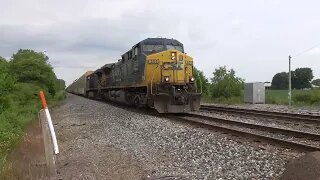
(226, 85)
(300, 78)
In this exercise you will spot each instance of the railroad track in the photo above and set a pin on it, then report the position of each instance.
(292, 139)
(300, 118)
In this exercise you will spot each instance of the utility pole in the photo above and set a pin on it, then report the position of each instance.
(289, 94)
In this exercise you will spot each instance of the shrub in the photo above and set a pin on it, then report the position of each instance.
(21, 79)
(225, 83)
(315, 98)
(305, 98)
(308, 97)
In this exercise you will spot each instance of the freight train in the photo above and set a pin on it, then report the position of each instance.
(155, 73)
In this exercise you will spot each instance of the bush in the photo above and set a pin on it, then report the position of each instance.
(225, 84)
(305, 98)
(21, 79)
(308, 97)
(315, 98)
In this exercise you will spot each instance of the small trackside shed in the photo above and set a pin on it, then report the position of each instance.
(254, 93)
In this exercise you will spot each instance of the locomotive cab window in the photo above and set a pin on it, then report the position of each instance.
(152, 48)
(179, 48)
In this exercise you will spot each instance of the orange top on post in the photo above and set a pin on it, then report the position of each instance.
(43, 100)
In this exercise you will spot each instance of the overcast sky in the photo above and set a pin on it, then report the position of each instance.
(254, 37)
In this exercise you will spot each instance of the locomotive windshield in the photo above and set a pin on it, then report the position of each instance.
(179, 48)
(158, 48)
(153, 48)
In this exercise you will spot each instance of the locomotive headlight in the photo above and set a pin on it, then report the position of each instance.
(192, 79)
(173, 56)
(166, 79)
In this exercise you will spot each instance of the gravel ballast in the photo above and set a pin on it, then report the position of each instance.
(100, 141)
(308, 110)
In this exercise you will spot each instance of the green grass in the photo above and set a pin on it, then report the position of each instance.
(309, 97)
(276, 96)
(299, 98)
(19, 110)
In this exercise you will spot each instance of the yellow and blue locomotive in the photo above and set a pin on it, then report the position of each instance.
(156, 73)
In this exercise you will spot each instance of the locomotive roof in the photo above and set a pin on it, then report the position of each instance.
(100, 70)
(155, 41)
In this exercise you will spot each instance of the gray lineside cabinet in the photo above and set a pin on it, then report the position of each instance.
(254, 93)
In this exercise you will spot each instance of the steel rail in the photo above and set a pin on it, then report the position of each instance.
(263, 113)
(224, 125)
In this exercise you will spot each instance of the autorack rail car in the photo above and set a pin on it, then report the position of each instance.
(155, 73)
(79, 86)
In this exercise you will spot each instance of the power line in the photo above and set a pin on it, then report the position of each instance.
(309, 49)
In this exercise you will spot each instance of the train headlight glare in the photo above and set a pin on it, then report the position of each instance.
(192, 79)
(173, 55)
(166, 79)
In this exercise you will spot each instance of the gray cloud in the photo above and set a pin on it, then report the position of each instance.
(254, 38)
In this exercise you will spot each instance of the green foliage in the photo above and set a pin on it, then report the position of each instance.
(280, 81)
(316, 82)
(201, 81)
(2, 60)
(309, 97)
(20, 111)
(225, 83)
(300, 97)
(6, 85)
(21, 79)
(300, 78)
(277, 96)
(30, 66)
(61, 84)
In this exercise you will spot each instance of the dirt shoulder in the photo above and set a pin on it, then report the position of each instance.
(27, 161)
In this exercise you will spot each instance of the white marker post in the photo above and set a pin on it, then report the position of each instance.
(53, 134)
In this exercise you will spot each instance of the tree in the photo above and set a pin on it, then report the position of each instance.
(2, 60)
(30, 66)
(225, 83)
(316, 82)
(201, 81)
(6, 81)
(61, 84)
(280, 81)
(6, 84)
(301, 78)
